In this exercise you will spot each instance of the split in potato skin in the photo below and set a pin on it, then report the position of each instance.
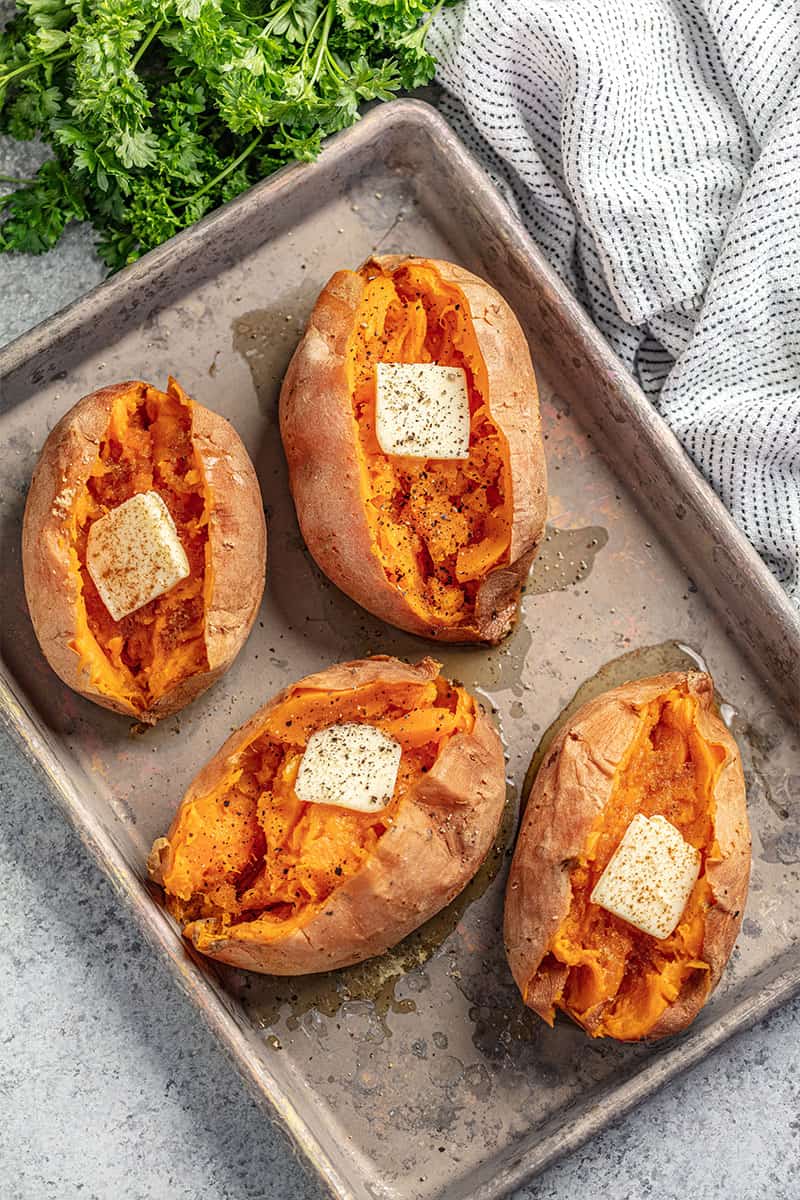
(146, 447)
(655, 747)
(439, 548)
(438, 527)
(130, 439)
(615, 968)
(259, 862)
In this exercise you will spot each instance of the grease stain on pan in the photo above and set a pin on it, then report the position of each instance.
(565, 558)
(777, 831)
(267, 997)
(495, 669)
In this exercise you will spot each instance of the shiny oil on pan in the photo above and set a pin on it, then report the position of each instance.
(418, 1074)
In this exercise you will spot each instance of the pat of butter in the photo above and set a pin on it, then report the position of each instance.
(422, 410)
(649, 877)
(351, 766)
(134, 554)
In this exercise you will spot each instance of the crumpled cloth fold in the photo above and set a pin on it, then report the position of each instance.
(652, 149)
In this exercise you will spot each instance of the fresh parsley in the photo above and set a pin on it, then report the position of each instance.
(159, 110)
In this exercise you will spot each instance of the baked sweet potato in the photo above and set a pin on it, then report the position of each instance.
(122, 441)
(656, 746)
(258, 878)
(439, 548)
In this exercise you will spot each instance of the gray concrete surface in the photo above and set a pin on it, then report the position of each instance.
(109, 1087)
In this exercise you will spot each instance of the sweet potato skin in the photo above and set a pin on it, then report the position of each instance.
(237, 535)
(321, 452)
(442, 833)
(572, 787)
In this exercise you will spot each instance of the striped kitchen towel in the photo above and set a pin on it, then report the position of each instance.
(652, 148)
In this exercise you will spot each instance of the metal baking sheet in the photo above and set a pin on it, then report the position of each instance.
(418, 1075)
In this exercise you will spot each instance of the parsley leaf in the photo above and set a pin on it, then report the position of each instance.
(156, 111)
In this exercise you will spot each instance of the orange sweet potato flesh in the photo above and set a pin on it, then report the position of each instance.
(438, 527)
(614, 969)
(146, 447)
(249, 851)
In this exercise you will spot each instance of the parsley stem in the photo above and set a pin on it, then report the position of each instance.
(223, 174)
(30, 66)
(12, 179)
(333, 66)
(145, 44)
(310, 38)
(276, 16)
(323, 43)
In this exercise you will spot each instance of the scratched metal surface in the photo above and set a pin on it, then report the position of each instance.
(419, 1075)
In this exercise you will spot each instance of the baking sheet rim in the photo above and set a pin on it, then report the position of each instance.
(130, 886)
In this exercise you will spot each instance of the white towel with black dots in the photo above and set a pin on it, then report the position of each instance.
(652, 148)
